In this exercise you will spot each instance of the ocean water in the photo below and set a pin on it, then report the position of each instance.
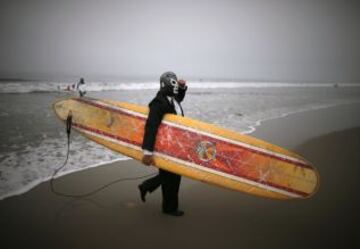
(33, 140)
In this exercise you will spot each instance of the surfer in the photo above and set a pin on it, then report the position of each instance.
(80, 87)
(171, 93)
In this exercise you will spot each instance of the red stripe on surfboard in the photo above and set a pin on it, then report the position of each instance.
(247, 177)
(297, 163)
(242, 169)
(106, 134)
(218, 141)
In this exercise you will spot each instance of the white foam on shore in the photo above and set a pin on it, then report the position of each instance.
(37, 182)
(22, 170)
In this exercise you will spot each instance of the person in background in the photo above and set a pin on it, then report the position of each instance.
(80, 87)
(171, 94)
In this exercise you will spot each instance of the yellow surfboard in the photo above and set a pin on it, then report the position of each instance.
(195, 149)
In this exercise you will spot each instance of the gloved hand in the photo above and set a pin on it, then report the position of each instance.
(147, 160)
(182, 83)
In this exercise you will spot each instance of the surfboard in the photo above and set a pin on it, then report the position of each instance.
(195, 149)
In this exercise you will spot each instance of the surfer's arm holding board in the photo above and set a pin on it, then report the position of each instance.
(151, 127)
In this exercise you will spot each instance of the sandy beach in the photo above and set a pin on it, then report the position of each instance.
(214, 217)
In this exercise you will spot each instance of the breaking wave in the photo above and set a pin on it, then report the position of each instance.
(31, 86)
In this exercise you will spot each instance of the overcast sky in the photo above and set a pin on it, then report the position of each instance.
(275, 40)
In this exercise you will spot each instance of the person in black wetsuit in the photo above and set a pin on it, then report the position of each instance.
(172, 92)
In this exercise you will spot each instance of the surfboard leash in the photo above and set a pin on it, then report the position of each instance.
(56, 192)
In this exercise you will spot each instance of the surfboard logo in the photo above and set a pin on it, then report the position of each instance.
(206, 151)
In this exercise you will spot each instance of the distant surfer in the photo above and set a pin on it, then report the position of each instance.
(171, 93)
(80, 87)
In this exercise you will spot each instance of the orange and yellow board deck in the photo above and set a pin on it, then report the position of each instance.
(195, 149)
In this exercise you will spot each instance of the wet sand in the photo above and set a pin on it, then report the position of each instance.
(215, 217)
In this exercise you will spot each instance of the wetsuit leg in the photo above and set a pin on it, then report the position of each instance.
(151, 184)
(170, 184)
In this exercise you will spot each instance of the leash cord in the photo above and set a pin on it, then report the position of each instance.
(53, 190)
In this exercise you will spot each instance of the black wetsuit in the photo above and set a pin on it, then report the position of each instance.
(169, 182)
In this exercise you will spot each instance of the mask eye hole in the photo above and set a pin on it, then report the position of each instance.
(173, 82)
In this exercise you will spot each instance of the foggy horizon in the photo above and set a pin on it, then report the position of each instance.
(274, 41)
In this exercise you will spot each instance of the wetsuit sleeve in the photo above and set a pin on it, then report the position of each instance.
(151, 127)
(180, 96)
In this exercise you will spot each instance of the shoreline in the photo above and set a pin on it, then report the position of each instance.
(259, 123)
(258, 130)
(310, 124)
(40, 181)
